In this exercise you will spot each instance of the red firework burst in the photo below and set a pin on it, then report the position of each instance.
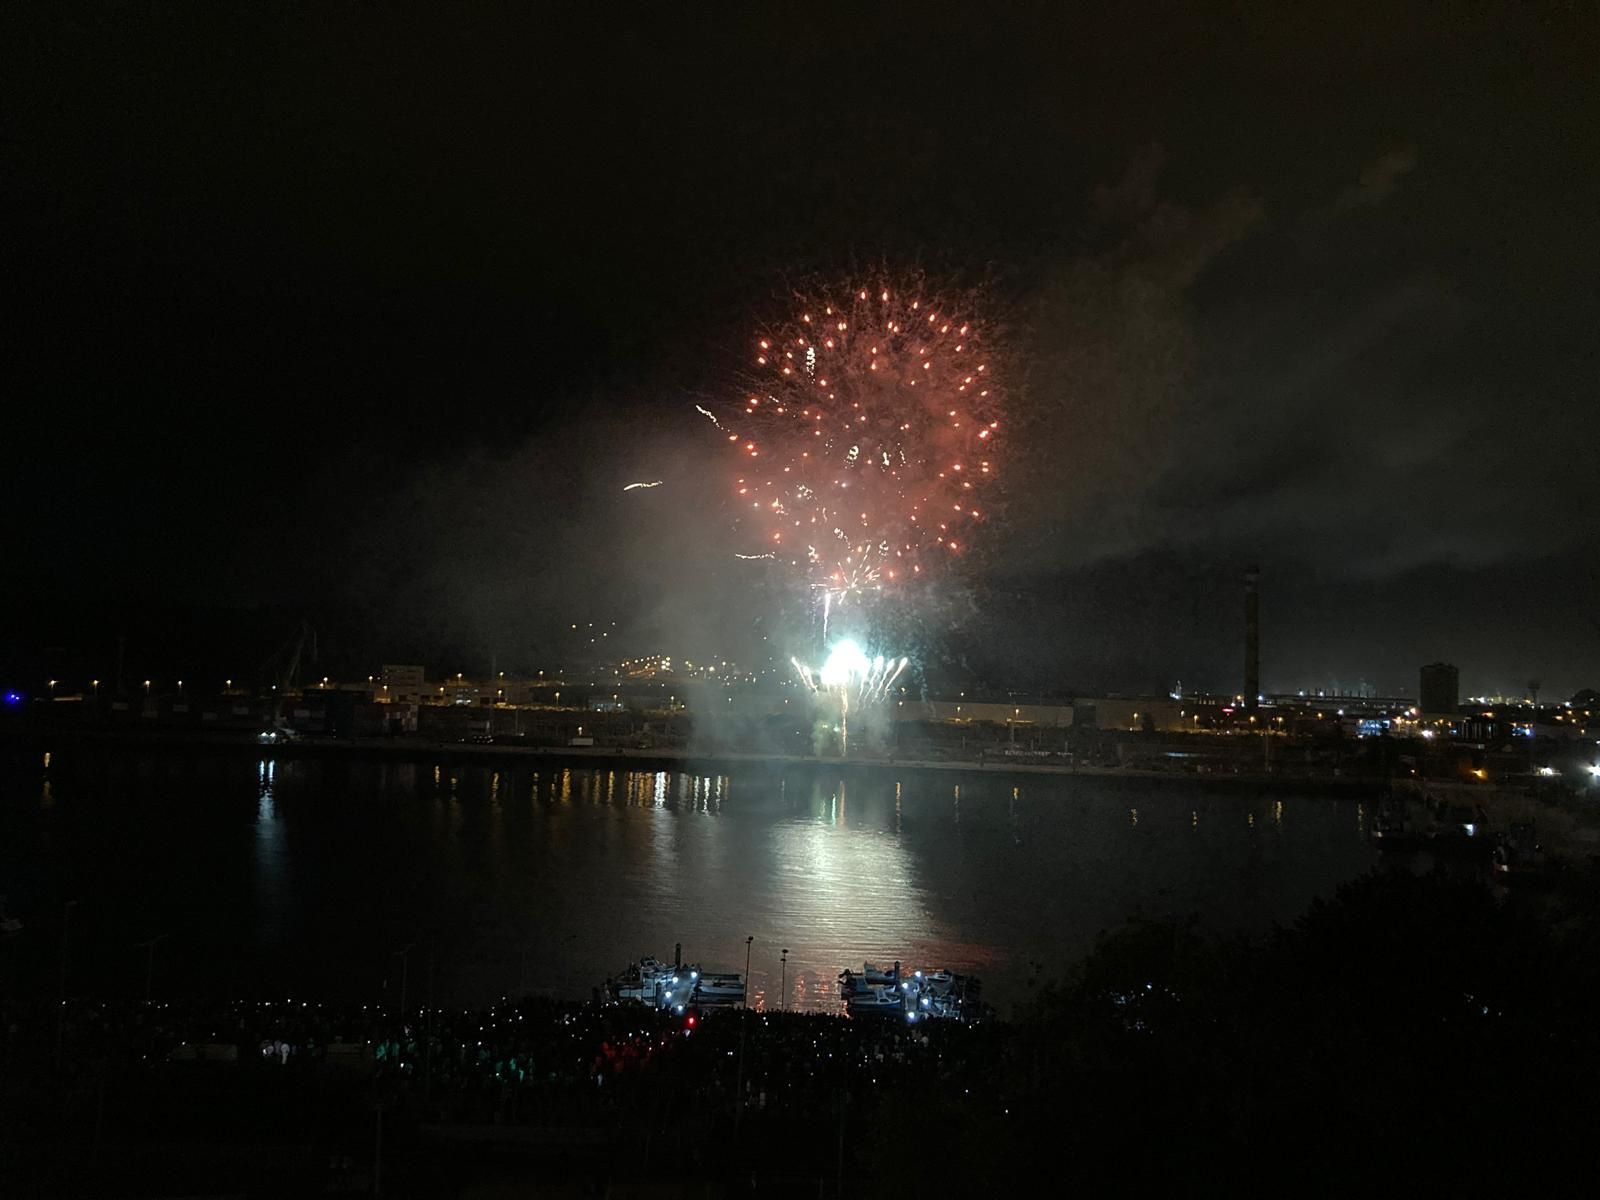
(866, 438)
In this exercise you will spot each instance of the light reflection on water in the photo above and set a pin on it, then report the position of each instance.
(273, 901)
(553, 879)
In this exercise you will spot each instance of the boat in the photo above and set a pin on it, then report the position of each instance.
(921, 995)
(676, 986)
(647, 981)
(874, 974)
(875, 1000)
(716, 989)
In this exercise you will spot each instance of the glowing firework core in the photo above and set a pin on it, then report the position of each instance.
(849, 673)
(847, 663)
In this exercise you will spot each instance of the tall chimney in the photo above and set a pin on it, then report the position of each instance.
(1252, 638)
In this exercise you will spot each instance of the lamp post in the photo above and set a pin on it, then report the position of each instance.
(744, 1024)
(783, 978)
(748, 942)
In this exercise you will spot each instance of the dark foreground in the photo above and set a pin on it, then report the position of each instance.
(1414, 1028)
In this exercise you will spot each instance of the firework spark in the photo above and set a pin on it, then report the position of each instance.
(849, 674)
(654, 483)
(866, 438)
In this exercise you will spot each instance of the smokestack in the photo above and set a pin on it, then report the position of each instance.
(1252, 638)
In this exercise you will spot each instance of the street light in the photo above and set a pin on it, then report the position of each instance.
(748, 942)
(783, 978)
(146, 687)
(52, 687)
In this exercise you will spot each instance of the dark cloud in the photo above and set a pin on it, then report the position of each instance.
(1379, 178)
(1337, 400)
(1111, 354)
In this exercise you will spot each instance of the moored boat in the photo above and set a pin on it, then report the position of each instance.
(719, 988)
(676, 986)
(930, 995)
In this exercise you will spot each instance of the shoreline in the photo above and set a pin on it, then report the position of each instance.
(672, 759)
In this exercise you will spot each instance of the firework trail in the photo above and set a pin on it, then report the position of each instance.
(865, 438)
(850, 674)
(654, 483)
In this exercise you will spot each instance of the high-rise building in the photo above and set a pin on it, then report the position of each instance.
(1439, 691)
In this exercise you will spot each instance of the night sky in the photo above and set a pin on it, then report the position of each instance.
(327, 311)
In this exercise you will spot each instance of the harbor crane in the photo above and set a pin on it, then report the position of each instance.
(284, 667)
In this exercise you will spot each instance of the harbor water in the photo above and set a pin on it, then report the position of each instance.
(342, 878)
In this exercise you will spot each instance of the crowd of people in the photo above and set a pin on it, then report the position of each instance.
(515, 1061)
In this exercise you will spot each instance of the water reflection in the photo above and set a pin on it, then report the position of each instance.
(838, 896)
(270, 857)
(557, 878)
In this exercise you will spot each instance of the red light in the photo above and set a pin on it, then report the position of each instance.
(690, 1022)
